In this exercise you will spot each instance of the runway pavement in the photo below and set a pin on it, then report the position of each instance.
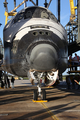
(17, 104)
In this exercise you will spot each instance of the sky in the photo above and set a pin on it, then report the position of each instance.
(64, 12)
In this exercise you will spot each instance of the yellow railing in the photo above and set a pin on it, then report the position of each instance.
(12, 13)
(72, 9)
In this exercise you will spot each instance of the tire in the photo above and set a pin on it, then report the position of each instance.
(43, 95)
(35, 95)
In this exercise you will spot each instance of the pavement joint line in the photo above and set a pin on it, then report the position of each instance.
(49, 111)
(67, 110)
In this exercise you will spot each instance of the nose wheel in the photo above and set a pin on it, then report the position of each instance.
(39, 95)
(35, 95)
(43, 95)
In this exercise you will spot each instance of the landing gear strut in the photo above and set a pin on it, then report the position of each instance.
(50, 79)
(40, 93)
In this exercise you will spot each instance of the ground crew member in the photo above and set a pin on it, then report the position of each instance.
(12, 82)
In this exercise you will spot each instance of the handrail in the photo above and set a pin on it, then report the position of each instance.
(72, 9)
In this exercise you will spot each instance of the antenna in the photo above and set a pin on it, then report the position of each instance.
(59, 10)
(37, 2)
(46, 3)
(5, 5)
(14, 4)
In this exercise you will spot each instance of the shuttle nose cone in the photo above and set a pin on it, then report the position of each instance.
(44, 57)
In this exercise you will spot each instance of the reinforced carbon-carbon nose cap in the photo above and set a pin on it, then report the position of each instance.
(43, 57)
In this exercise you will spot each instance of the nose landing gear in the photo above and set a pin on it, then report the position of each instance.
(48, 79)
(40, 95)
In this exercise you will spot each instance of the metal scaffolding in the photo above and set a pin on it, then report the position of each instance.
(73, 31)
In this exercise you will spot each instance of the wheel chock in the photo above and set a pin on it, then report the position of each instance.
(49, 87)
(1, 88)
(40, 100)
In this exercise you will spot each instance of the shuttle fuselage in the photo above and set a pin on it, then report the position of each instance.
(34, 39)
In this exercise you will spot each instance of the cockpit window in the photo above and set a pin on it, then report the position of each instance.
(19, 17)
(37, 12)
(28, 14)
(53, 17)
(34, 12)
(44, 14)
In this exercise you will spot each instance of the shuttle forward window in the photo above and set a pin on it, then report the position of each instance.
(44, 14)
(53, 17)
(36, 13)
(21, 16)
(18, 17)
(28, 14)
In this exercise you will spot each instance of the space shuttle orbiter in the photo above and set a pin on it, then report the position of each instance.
(35, 45)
